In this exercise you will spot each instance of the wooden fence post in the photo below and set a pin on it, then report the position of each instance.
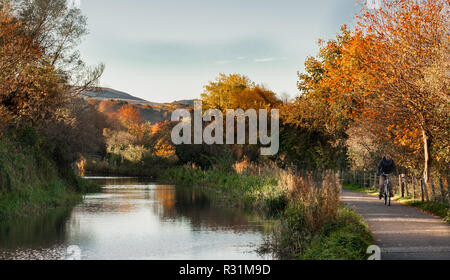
(406, 184)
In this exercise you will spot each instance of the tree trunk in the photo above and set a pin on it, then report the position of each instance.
(427, 158)
(401, 185)
(422, 189)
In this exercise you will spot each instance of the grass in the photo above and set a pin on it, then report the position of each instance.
(37, 199)
(31, 182)
(434, 208)
(247, 191)
(344, 237)
(431, 207)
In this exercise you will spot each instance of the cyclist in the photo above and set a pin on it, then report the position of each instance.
(385, 167)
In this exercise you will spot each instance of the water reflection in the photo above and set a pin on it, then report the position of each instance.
(134, 219)
(35, 231)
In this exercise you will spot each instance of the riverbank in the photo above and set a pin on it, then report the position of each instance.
(433, 208)
(312, 223)
(117, 165)
(261, 193)
(31, 181)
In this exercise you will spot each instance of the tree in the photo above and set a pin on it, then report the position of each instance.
(404, 45)
(387, 79)
(40, 66)
(58, 29)
(160, 141)
(28, 87)
(237, 91)
(77, 129)
(129, 116)
(314, 125)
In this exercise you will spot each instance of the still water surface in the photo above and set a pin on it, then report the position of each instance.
(135, 219)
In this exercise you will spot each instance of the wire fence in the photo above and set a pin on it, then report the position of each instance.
(405, 185)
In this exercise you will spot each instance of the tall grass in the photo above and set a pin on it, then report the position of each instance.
(319, 200)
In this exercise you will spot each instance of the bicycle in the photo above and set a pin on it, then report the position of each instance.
(387, 193)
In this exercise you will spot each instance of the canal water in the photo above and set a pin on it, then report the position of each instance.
(134, 219)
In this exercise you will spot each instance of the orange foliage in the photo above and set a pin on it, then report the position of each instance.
(106, 106)
(30, 88)
(129, 116)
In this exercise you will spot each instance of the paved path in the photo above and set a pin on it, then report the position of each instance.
(402, 232)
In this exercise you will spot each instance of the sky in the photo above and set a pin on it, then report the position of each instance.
(167, 50)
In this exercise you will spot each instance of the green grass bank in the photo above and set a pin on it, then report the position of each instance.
(31, 181)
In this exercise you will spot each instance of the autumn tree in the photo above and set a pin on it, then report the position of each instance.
(237, 91)
(404, 46)
(314, 127)
(58, 28)
(233, 92)
(160, 140)
(129, 116)
(388, 80)
(77, 130)
(28, 86)
(40, 66)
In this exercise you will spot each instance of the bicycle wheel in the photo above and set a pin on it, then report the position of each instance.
(386, 194)
(389, 195)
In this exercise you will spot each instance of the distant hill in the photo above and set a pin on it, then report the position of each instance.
(150, 111)
(185, 102)
(107, 93)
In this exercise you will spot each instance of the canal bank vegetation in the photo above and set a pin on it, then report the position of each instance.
(44, 125)
(311, 222)
(31, 181)
(343, 236)
(249, 189)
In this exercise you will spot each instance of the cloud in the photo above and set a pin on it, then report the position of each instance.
(224, 61)
(266, 59)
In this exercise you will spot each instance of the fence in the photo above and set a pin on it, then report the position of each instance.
(404, 185)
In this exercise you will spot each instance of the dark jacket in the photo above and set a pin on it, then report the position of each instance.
(387, 167)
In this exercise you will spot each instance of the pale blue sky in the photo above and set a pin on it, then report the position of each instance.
(167, 50)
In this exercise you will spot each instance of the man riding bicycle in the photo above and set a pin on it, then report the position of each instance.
(386, 167)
